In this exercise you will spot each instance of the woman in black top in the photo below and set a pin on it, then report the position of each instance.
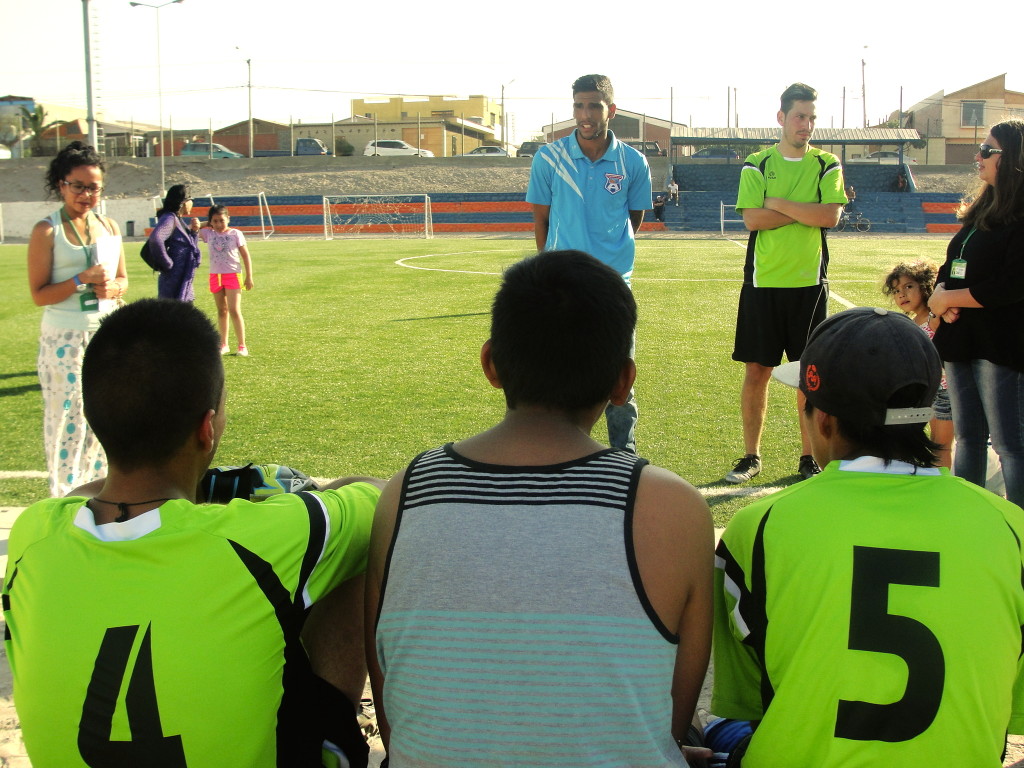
(980, 298)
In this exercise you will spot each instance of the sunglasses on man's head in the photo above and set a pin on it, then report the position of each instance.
(987, 151)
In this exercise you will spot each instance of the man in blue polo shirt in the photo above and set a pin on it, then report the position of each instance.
(589, 192)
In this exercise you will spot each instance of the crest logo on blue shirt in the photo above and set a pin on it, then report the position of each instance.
(613, 182)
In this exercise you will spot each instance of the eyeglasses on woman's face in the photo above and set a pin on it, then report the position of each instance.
(78, 188)
(986, 151)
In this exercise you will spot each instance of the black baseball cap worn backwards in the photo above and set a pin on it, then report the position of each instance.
(855, 360)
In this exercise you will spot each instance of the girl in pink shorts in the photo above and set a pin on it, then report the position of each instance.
(227, 256)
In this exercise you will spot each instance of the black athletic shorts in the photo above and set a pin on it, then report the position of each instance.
(771, 321)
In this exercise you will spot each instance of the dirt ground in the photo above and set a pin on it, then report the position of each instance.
(22, 181)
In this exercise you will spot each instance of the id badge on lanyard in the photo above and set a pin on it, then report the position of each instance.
(958, 267)
(87, 299)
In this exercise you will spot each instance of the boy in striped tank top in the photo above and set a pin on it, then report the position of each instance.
(532, 593)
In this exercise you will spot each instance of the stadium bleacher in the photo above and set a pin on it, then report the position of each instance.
(703, 190)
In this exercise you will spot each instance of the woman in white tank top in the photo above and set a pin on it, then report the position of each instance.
(76, 271)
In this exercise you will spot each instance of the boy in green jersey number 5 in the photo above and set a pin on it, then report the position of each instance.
(871, 615)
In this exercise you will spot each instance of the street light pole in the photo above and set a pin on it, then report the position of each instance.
(159, 86)
(248, 64)
(504, 128)
(863, 91)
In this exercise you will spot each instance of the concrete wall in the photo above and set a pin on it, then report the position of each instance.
(19, 218)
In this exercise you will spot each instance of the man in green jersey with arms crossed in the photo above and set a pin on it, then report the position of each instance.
(789, 195)
(872, 615)
(144, 629)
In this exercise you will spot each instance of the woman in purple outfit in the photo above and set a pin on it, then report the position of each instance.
(175, 245)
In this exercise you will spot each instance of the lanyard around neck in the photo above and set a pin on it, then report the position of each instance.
(966, 240)
(88, 251)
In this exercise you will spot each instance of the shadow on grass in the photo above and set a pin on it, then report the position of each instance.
(21, 389)
(438, 317)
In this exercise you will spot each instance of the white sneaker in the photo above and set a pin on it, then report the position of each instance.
(243, 352)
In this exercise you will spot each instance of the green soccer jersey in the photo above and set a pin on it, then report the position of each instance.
(871, 616)
(172, 639)
(794, 255)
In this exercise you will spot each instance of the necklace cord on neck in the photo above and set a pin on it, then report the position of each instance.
(122, 506)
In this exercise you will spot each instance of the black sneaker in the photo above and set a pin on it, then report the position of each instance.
(746, 468)
(808, 467)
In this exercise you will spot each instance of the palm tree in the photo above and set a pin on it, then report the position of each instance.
(36, 121)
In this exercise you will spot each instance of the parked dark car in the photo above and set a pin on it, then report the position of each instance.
(305, 145)
(205, 149)
(715, 153)
(648, 148)
(529, 148)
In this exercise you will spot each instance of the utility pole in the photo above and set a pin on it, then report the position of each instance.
(160, 90)
(90, 102)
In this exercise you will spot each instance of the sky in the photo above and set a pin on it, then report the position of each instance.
(696, 65)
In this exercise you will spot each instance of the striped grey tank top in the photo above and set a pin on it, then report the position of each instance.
(513, 629)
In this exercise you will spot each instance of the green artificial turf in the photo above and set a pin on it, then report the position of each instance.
(358, 363)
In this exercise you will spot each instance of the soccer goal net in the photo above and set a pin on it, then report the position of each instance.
(249, 213)
(372, 215)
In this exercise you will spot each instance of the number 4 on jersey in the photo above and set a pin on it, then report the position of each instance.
(148, 745)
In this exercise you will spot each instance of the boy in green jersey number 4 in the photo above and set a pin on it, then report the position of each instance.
(145, 629)
(871, 616)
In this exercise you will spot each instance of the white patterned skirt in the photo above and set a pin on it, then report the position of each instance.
(73, 454)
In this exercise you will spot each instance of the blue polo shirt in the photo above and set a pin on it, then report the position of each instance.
(590, 201)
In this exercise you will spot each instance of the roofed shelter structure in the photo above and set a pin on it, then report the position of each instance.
(843, 142)
(682, 141)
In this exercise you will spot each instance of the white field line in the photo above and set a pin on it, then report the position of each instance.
(753, 491)
(404, 263)
(831, 294)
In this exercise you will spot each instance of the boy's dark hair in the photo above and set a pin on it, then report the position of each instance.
(176, 195)
(796, 92)
(215, 209)
(921, 271)
(70, 157)
(150, 373)
(599, 83)
(561, 330)
(895, 442)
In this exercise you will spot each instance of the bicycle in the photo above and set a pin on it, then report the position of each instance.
(854, 220)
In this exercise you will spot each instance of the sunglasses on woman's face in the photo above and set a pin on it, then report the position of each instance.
(987, 151)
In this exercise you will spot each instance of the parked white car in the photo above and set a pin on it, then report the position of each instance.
(885, 157)
(394, 147)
